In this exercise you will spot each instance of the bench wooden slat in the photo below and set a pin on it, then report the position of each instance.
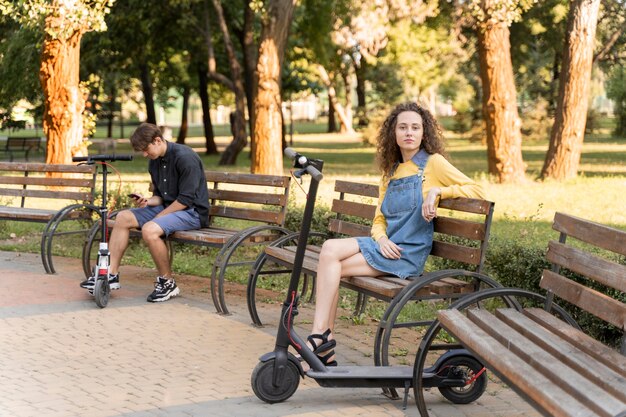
(377, 285)
(601, 270)
(566, 352)
(592, 347)
(520, 375)
(48, 182)
(468, 205)
(248, 197)
(288, 256)
(552, 366)
(247, 179)
(247, 214)
(460, 228)
(367, 190)
(594, 233)
(67, 195)
(36, 215)
(352, 208)
(349, 229)
(455, 252)
(601, 305)
(38, 167)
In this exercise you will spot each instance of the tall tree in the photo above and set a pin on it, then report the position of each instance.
(64, 23)
(504, 138)
(267, 149)
(566, 138)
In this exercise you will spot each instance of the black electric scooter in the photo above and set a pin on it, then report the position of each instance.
(102, 290)
(277, 375)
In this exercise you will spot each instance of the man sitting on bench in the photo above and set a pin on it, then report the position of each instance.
(180, 201)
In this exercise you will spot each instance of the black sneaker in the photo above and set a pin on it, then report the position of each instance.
(164, 289)
(89, 283)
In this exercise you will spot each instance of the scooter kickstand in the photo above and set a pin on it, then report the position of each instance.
(407, 386)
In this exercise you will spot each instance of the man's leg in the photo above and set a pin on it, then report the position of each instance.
(118, 241)
(165, 286)
(152, 233)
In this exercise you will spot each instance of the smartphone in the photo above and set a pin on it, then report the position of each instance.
(135, 196)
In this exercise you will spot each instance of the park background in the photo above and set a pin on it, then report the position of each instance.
(531, 96)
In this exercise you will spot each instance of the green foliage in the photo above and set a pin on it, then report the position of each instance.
(80, 16)
(616, 90)
(295, 213)
(517, 264)
(20, 49)
(536, 120)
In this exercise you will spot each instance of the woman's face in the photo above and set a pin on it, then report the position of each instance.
(409, 133)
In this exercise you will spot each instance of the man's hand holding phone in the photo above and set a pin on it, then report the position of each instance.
(139, 200)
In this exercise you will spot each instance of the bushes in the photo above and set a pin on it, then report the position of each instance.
(519, 265)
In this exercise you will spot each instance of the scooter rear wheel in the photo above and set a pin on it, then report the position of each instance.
(101, 292)
(264, 388)
(464, 367)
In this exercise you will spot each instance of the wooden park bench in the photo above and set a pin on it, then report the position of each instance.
(257, 204)
(534, 345)
(456, 239)
(23, 146)
(29, 194)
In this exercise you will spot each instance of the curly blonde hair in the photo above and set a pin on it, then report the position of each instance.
(388, 151)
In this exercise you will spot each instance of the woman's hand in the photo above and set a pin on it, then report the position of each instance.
(389, 249)
(429, 207)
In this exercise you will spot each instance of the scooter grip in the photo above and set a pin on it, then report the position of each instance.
(290, 153)
(314, 173)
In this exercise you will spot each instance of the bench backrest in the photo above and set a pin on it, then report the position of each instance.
(31, 180)
(591, 265)
(359, 201)
(22, 144)
(257, 198)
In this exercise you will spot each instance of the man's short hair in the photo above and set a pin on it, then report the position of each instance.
(144, 135)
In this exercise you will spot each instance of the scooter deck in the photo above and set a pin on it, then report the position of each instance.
(364, 376)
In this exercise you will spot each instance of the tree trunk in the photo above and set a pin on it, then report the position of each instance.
(148, 94)
(63, 99)
(504, 138)
(267, 155)
(240, 139)
(361, 105)
(332, 122)
(184, 122)
(203, 85)
(249, 63)
(344, 120)
(566, 138)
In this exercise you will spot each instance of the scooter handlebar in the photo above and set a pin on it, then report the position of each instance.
(290, 153)
(303, 161)
(93, 158)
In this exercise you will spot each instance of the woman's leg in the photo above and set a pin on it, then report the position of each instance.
(338, 258)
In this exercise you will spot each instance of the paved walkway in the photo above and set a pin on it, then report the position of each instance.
(63, 356)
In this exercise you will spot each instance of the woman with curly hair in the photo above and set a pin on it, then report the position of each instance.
(415, 175)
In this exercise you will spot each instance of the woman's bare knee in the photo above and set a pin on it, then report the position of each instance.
(338, 249)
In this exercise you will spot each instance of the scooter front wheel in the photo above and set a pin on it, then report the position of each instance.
(264, 388)
(101, 292)
(467, 368)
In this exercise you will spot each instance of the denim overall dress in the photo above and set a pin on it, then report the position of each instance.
(402, 208)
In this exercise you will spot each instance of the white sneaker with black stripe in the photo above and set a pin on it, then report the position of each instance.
(164, 289)
(90, 283)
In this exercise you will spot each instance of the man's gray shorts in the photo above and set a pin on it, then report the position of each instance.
(188, 219)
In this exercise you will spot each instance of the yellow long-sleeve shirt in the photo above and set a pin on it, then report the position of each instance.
(437, 173)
